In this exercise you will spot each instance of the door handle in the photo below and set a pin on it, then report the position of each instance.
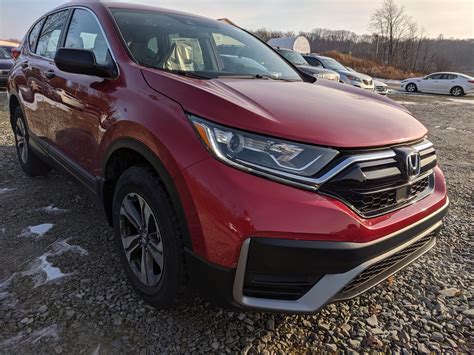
(50, 74)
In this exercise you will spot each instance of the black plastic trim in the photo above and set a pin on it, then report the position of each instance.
(143, 150)
(273, 256)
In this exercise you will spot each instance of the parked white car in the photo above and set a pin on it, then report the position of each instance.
(456, 84)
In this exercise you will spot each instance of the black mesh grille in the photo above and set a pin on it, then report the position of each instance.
(376, 269)
(373, 188)
(375, 202)
(277, 286)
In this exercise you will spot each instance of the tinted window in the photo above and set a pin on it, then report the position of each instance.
(4, 54)
(176, 42)
(293, 57)
(332, 64)
(51, 34)
(33, 37)
(313, 61)
(452, 77)
(85, 33)
(435, 76)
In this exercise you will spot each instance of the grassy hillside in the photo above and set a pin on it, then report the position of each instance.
(370, 67)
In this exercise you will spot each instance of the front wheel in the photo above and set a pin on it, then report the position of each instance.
(148, 238)
(411, 88)
(29, 161)
(457, 91)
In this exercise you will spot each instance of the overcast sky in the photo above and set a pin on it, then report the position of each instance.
(452, 18)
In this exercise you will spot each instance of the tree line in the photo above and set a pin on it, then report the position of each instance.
(396, 40)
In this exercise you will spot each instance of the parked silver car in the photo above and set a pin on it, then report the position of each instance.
(346, 76)
(456, 84)
(297, 60)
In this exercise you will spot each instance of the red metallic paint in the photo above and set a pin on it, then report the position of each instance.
(223, 205)
(233, 205)
(293, 110)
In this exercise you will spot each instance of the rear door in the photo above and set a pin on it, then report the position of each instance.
(44, 105)
(85, 101)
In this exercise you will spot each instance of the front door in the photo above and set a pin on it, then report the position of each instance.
(86, 101)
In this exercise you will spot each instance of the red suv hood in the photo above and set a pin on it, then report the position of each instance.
(326, 113)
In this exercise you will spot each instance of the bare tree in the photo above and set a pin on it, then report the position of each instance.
(391, 24)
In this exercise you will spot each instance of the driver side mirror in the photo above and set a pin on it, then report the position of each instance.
(82, 61)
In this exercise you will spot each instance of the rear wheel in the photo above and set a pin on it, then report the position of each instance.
(148, 238)
(29, 161)
(457, 91)
(411, 88)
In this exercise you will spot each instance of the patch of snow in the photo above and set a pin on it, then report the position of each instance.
(462, 101)
(42, 271)
(62, 246)
(36, 231)
(22, 338)
(407, 103)
(450, 128)
(6, 189)
(53, 210)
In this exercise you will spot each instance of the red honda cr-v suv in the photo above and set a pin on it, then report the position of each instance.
(219, 165)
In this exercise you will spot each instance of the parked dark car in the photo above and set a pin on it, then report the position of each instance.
(245, 182)
(6, 62)
(297, 60)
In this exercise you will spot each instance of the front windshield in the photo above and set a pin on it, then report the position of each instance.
(4, 54)
(332, 64)
(293, 57)
(197, 46)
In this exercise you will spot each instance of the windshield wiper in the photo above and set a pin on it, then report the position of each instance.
(251, 76)
(189, 74)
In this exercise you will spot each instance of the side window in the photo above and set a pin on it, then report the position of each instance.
(452, 77)
(313, 61)
(85, 33)
(48, 41)
(33, 36)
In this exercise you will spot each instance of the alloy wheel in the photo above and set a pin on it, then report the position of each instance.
(456, 91)
(141, 239)
(411, 88)
(21, 142)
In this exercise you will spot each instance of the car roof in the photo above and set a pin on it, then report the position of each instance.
(447, 72)
(122, 5)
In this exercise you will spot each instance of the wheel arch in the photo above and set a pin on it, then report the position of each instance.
(126, 152)
(13, 103)
(457, 86)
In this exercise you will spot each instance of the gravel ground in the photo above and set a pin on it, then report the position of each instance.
(62, 288)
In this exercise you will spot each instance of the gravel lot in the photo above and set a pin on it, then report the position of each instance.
(86, 305)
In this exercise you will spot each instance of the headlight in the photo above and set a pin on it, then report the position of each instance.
(353, 78)
(271, 157)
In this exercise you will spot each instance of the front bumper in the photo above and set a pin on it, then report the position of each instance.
(301, 276)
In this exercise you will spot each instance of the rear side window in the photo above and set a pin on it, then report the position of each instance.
(34, 34)
(85, 33)
(313, 61)
(51, 34)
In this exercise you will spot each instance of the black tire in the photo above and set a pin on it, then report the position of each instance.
(411, 87)
(457, 91)
(31, 164)
(170, 289)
